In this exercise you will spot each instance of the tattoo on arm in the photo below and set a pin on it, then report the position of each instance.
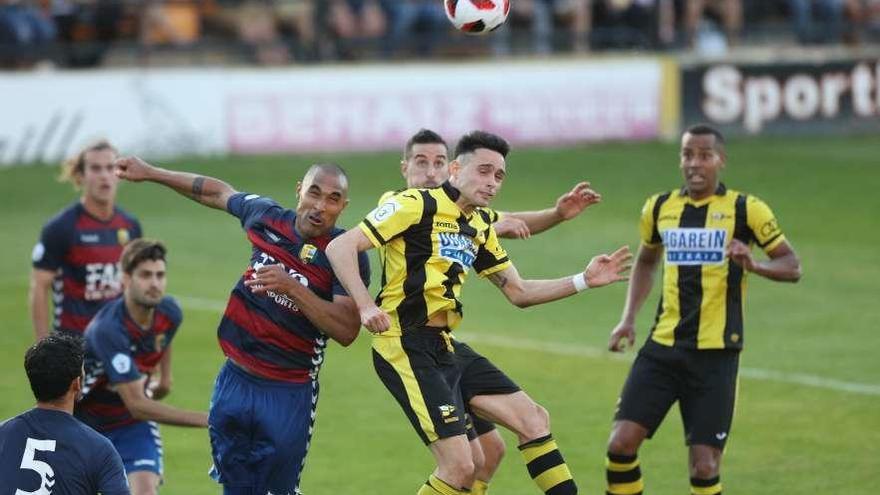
(198, 183)
(498, 279)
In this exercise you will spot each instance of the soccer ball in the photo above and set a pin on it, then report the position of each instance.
(477, 16)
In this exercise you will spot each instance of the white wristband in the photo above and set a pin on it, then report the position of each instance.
(580, 282)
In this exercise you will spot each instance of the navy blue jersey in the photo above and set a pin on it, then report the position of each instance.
(120, 351)
(44, 451)
(268, 333)
(84, 252)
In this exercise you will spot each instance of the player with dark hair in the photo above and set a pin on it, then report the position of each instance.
(425, 164)
(46, 450)
(432, 238)
(125, 343)
(76, 258)
(702, 234)
(275, 327)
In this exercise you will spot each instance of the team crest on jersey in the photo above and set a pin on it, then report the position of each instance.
(457, 247)
(308, 252)
(694, 246)
(123, 236)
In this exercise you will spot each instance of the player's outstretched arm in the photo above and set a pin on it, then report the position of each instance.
(205, 190)
(38, 298)
(640, 283)
(159, 389)
(338, 318)
(343, 255)
(783, 265)
(603, 270)
(146, 409)
(522, 224)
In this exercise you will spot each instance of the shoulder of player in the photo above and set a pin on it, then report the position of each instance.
(107, 321)
(130, 218)
(66, 218)
(171, 308)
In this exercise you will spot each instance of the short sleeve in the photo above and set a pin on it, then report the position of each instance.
(249, 207)
(763, 224)
(392, 217)
(648, 233)
(112, 349)
(136, 231)
(111, 472)
(491, 216)
(49, 252)
(491, 257)
(363, 268)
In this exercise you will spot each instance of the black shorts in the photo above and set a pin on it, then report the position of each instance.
(704, 382)
(420, 371)
(480, 377)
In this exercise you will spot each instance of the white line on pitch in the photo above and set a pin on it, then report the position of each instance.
(578, 350)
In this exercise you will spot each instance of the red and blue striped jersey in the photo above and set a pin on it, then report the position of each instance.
(118, 350)
(268, 333)
(84, 252)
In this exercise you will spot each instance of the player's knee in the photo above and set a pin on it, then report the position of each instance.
(704, 468)
(537, 424)
(621, 444)
(459, 473)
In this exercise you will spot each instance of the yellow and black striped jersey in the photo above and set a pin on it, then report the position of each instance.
(703, 290)
(429, 246)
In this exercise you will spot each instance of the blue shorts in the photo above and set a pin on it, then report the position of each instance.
(139, 445)
(260, 431)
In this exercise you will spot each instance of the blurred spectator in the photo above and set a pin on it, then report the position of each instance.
(543, 17)
(418, 23)
(25, 33)
(350, 26)
(730, 13)
(87, 27)
(174, 22)
(817, 21)
(633, 23)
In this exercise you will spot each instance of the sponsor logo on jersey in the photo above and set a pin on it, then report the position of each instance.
(694, 246)
(458, 248)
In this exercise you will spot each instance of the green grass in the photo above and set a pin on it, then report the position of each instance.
(787, 438)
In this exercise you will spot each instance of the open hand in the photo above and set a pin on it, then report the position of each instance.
(572, 203)
(270, 278)
(606, 269)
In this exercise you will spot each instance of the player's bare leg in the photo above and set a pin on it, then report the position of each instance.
(492, 448)
(623, 473)
(531, 423)
(455, 467)
(144, 483)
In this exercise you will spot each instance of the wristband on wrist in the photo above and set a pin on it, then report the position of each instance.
(580, 282)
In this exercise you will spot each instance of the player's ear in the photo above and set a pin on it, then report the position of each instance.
(299, 187)
(404, 165)
(454, 167)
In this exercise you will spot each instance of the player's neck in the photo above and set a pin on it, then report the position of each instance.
(142, 315)
(97, 209)
(465, 206)
(702, 195)
(63, 405)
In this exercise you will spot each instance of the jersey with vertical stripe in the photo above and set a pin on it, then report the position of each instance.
(118, 350)
(494, 216)
(49, 452)
(83, 251)
(268, 333)
(429, 245)
(701, 306)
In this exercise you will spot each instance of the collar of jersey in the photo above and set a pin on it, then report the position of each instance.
(721, 190)
(451, 191)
